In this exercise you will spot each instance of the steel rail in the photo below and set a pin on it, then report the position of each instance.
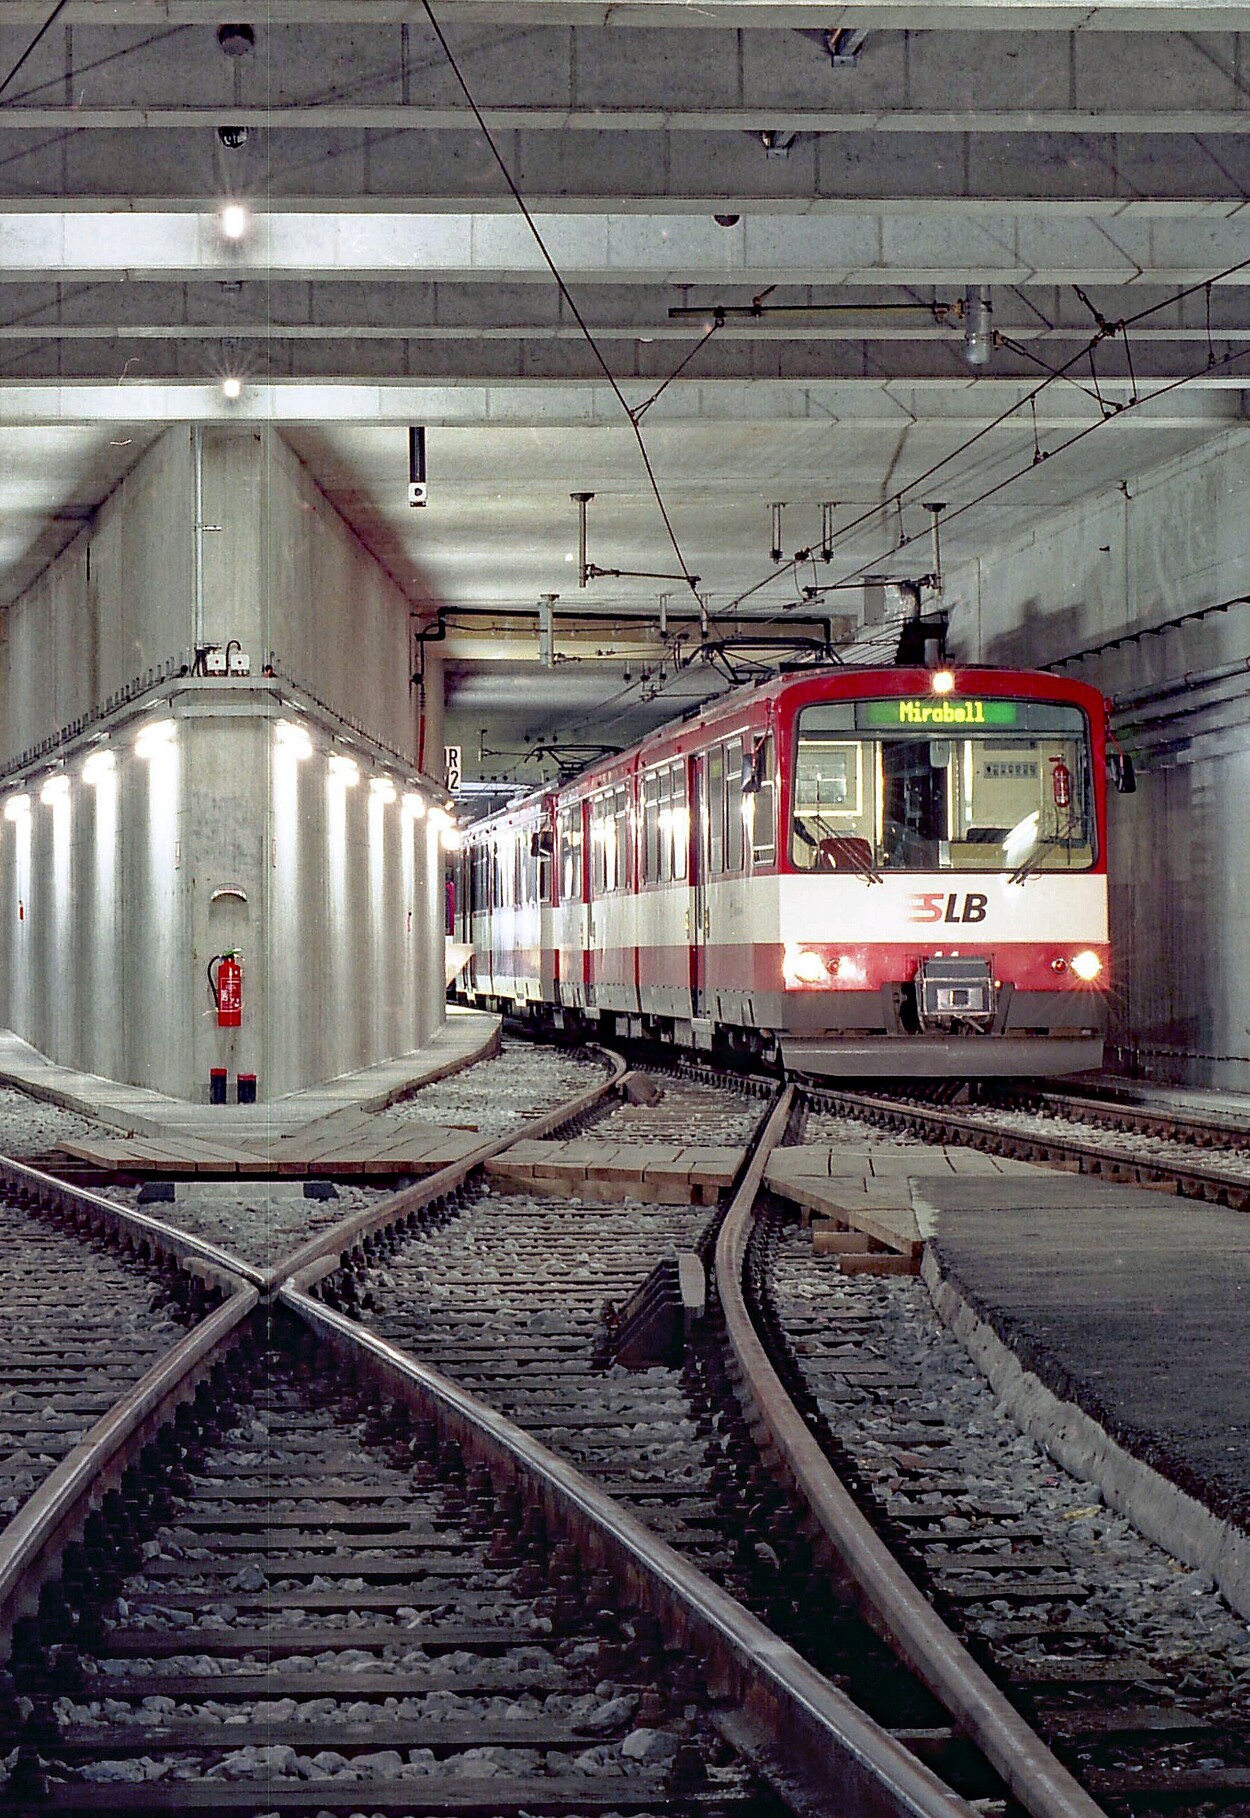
(1122, 1114)
(329, 1247)
(1041, 1784)
(32, 1542)
(47, 1193)
(1189, 1179)
(793, 1714)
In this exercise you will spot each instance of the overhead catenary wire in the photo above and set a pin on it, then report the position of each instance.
(558, 277)
(35, 42)
(1029, 400)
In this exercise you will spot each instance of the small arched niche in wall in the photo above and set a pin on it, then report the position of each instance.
(227, 917)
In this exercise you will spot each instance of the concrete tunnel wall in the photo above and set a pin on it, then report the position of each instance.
(1172, 540)
(111, 899)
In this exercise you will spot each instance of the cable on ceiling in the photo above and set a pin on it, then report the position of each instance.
(561, 285)
(35, 42)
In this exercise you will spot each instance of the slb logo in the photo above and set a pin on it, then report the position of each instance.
(935, 906)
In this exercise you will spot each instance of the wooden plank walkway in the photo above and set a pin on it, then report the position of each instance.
(673, 1174)
(349, 1142)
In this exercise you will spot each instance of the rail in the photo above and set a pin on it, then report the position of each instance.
(31, 1544)
(328, 1248)
(1040, 1783)
(794, 1715)
(46, 1193)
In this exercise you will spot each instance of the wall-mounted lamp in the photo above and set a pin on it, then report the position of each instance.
(383, 788)
(293, 738)
(414, 805)
(55, 790)
(154, 738)
(233, 221)
(99, 765)
(344, 770)
(17, 807)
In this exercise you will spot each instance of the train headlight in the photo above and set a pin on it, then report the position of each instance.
(943, 681)
(1086, 965)
(801, 966)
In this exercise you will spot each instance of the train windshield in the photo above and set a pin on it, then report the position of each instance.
(943, 784)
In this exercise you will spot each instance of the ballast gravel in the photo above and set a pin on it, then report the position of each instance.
(493, 1095)
(78, 1328)
(687, 1112)
(264, 1220)
(601, 1727)
(1153, 1605)
(30, 1128)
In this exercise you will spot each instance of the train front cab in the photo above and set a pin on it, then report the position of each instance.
(942, 877)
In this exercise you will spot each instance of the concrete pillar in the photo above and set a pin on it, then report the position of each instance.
(276, 814)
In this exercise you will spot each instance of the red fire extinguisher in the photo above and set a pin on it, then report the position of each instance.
(1061, 783)
(226, 985)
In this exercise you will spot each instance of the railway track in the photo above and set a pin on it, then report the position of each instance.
(1131, 1667)
(1137, 1146)
(280, 1459)
(671, 1446)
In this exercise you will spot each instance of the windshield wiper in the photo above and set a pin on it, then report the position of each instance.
(1030, 864)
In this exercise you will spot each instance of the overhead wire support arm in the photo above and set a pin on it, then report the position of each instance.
(595, 573)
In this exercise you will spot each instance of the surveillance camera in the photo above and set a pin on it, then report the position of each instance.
(234, 138)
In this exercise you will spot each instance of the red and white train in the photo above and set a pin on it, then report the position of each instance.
(864, 872)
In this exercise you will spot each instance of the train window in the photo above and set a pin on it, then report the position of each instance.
(570, 829)
(679, 820)
(733, 805)
(651, 827)
(716, 808)
(762, 808)
(542, 847)
(622, 836)
(950, 785)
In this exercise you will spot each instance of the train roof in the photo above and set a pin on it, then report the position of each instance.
(756, 703)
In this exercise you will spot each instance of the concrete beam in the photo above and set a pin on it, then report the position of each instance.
(262, 352)
(1004, 247)
(952, 403)
(695, 78)
(869, 15)
(1079, 174)
(444, 310)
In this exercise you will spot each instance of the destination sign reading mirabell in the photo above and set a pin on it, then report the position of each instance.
(908, 712)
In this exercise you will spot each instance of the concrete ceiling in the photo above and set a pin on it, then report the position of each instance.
(828, 160)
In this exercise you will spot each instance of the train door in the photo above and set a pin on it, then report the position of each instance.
(698, 869)
(587, 917)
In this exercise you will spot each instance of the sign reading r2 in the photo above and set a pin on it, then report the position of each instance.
(936, 906)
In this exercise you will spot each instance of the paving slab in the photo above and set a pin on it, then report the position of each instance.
(1131, 1305)
(209, 1136)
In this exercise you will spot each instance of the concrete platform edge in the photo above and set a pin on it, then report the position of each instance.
(139, 1112)
(1161, 1511)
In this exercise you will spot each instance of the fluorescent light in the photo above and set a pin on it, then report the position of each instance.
(344, 770)
(233, 220)
(99, 765)
(154, 738)
(56, 789)
(293, 738)
(16, 807)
